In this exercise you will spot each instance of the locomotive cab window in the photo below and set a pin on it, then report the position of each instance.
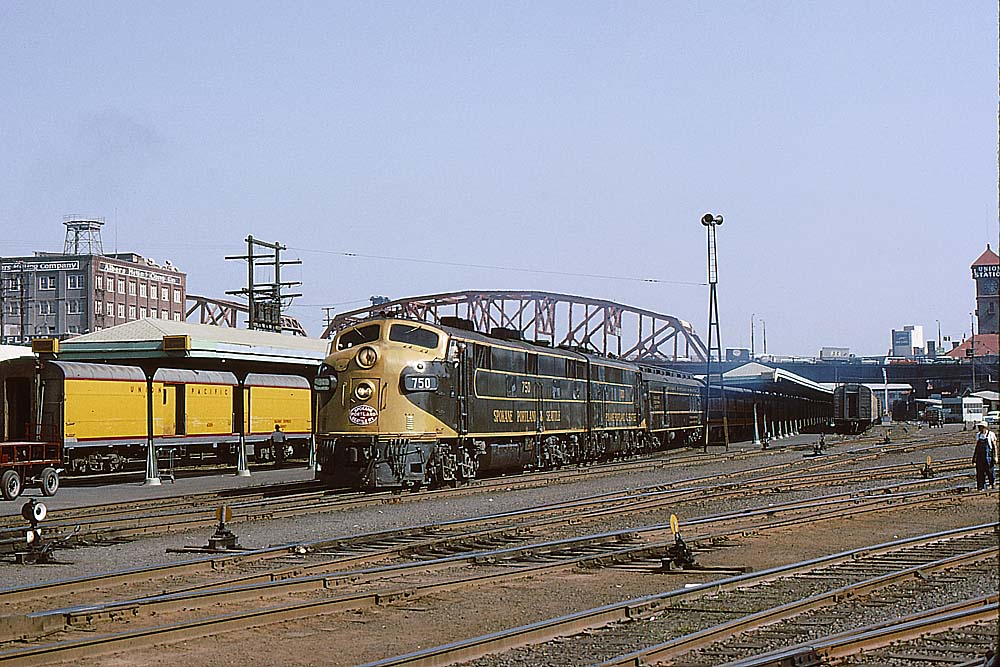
(405, 333)
(366, 334)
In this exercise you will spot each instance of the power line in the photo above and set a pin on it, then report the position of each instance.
(342, 253)
(434, 262)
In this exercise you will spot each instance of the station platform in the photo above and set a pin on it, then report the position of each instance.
(100, 489)
(81, 491)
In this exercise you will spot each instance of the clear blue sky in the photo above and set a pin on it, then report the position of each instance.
(851, 147)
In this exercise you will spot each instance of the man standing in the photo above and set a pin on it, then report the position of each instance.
(984, 455)
(278, 446)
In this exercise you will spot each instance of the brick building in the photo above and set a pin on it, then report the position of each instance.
(69, 293)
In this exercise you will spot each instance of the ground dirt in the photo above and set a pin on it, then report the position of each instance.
(356, 638)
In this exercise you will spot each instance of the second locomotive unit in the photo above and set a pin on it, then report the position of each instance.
(403, 404)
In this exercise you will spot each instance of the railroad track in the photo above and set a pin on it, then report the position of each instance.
(804, 596)
(517, 561)
(117, 521)
(651, 500)
(959, 634)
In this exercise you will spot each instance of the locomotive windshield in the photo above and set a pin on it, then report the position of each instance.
(366, 334)
(406, 333)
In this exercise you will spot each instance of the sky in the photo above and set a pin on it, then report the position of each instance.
(850, 146)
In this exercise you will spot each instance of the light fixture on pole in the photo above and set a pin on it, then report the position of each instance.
(711, 222)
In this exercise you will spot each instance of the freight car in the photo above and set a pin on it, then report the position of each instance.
(404, 404)
(100, 414)
(855, 408)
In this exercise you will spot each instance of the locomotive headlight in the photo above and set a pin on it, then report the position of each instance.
(366, 357)
(363, 391)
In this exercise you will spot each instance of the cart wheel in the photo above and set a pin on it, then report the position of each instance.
(10, 485)
(50, 482)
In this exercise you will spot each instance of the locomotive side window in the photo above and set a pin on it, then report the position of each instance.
(552, 366)
(366, 334)
(531, 363)
(482, 355)
(507, 360)
(405, 333)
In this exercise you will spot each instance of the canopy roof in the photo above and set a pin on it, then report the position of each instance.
(144, 339)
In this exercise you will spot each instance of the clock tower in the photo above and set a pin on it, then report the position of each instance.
(986, 273)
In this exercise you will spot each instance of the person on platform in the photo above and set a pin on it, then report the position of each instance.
(984, 455)
(278, 445)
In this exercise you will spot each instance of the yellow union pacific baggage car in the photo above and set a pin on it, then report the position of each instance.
(101, 413)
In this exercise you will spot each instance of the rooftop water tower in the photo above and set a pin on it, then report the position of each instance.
(83, 235)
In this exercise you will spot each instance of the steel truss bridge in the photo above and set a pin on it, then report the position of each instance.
(225, 313)
(601, 326)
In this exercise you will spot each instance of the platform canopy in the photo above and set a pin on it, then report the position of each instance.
(166, 339)
(758, 377)
(14, 352)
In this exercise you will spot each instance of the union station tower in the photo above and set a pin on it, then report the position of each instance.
(986, 273)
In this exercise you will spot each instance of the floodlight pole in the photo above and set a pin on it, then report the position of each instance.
(711, 222)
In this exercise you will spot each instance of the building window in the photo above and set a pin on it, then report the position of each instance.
(142, 289)
(164, 294)
(177, 317)
(98, 308)
(46, 282)
(142, 313)
(73, 329)
(163, 315)
(73, 307)
(74, 281)
(99, 282)
(152, 313)
(131, 288)
(121, 311)
(111, 309)
(46, 307)
(131, 312)
(121, 285)
(177, 296)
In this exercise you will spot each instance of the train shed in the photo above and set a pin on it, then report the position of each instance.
(783, 403)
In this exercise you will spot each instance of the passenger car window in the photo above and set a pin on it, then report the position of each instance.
(365, 334)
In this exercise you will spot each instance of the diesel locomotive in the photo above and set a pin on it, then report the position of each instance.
(405, 404)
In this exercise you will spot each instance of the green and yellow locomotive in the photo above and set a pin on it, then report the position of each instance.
(404, 404)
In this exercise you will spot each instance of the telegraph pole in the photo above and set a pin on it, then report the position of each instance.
(264, 305)
(711, 222)
(265, 299)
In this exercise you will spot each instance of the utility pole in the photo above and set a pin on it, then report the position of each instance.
(972, 343)
(753, 349)
(711, 222)
(328, 315)
(264, 299)
(763, 328)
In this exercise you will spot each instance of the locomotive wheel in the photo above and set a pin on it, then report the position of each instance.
(50, 482)
(10, 485)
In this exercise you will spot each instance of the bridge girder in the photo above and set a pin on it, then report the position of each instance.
(225, 313)
(605, 327)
